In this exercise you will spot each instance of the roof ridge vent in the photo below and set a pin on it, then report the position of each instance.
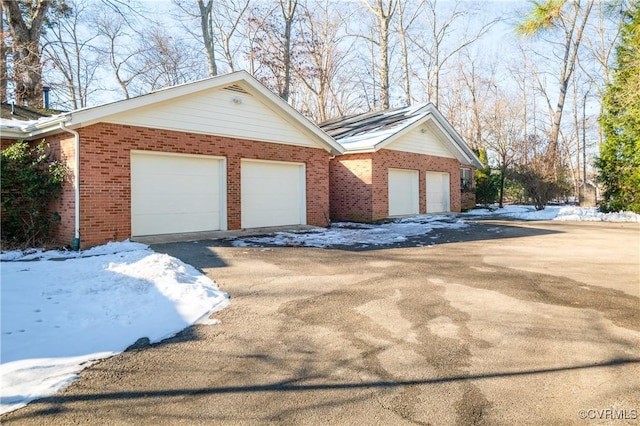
(236, 88)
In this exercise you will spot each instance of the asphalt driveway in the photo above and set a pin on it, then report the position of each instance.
(500, 323)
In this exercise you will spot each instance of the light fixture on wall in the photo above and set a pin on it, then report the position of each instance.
(423, 130)
(236, 100)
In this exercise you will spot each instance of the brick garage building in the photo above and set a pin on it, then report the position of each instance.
(399, 162)
(221, 153)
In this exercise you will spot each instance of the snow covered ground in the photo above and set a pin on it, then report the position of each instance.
(357, 234)
(397, 231)
(63, 310)
(566, 213)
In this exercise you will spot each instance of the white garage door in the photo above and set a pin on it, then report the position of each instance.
(176, 193)
(273, 194)
(404, 193)
(437, 192)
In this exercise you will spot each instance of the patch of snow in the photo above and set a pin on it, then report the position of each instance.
(566, 213)
(36, 254)
(372, 138)
(592, 214)
(58, 316)
(369, 139)
(399, 230)
(357, 234)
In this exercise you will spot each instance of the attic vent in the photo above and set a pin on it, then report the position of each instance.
(237, 89)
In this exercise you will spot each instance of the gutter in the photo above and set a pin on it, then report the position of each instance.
(76, 181)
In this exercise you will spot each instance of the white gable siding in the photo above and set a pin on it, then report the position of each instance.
(219, 112)
(416, 141)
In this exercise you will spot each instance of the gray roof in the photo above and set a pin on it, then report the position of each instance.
(370, 122)
(24, 113)
(372, 131)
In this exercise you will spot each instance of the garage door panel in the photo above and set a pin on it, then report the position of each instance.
(404, 192)
(273, 194)
(174, 185)
(172, 223)
(175, 194)
(177, 204)
(438, 194)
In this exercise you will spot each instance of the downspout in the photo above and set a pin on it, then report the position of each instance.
(76, 181)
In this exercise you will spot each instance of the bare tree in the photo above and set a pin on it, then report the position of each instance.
(167, 61)
(71, 56)
(227, 21)
(4, 52)
(436, 45)
(257, 20)
(406, 19)
(569, 18)
(120, 49)
(25, 29)
(481, 89)
(206, 27)
(288, 8)
(325, 52)
(503, 136)
(272, 51)
(383, 10)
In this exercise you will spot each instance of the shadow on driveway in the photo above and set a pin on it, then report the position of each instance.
(200, 254)
(292, 385)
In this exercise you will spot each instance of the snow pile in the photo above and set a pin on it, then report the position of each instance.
(566, 213)
(59, 316)
(592, 214)
(36, 254)
(352, 234)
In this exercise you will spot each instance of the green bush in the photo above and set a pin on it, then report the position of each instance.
(31, 181)
(619, 161)
(486, 187)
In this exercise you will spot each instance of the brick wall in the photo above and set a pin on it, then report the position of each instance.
(105, 174)
(4, 143)
(360, 182)
(350, 182)
(63, 148)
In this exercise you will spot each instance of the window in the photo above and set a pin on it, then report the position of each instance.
(466, 182)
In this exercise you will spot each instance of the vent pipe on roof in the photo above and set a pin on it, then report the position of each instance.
(45, 95)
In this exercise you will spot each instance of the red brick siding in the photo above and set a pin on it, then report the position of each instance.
(4, 143)
(350, 182)
(105, 174)
(64, 148)
(373, 202)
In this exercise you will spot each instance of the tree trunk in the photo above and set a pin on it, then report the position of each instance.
(27, 70)
(384, 15)
(288, 8)
(207, 35)
(286, 89)
(572, 45)
(502, 179)
(384, 69)
(405, 67)
(4, 76)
